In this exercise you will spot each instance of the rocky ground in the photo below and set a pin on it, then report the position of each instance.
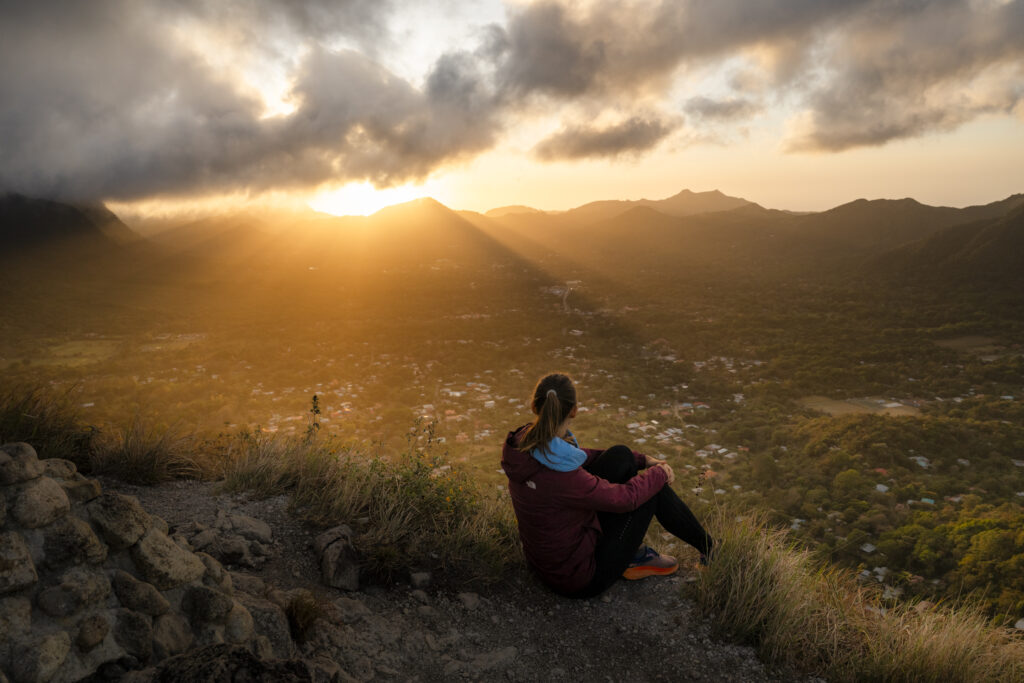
(419, 630)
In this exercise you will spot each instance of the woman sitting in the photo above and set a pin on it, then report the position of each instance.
(583, 513)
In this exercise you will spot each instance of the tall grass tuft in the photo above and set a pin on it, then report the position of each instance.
(414, 510)
(146, 454)
(764, 590)
(48, 420)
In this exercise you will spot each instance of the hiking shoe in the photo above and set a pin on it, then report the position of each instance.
(648, 562)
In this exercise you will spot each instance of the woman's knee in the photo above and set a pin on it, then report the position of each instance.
(616, 464)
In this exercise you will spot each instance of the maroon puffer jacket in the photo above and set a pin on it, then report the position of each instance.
(557, 511)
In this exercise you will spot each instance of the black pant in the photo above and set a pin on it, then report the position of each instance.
(623, 532)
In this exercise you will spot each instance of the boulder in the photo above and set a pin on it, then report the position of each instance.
(40, 658)
(216, 663)
(18, 463)
(120, 519)
(17, 570)
(171, 636)
(80, 489)
(269, 620)
(253, 585)
(92, 629)
(138, 595)
(163, 563)
(216, 576)
(39, 503)
(134, 632)
(79, 587)
(239, 625)
(203, 604)
(15, 620)
(69, 541)
(339, 567)
(248, 528)
(58, 468)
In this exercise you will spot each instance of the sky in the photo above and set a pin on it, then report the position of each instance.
(348, 105)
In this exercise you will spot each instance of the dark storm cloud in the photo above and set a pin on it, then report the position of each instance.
(579, 142)
(911, 68)
(101, 99)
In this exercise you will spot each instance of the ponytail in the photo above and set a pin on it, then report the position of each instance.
(554, 397)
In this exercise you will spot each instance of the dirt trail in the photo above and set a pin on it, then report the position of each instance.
(637, 631)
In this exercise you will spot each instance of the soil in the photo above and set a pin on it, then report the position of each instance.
(638, 631)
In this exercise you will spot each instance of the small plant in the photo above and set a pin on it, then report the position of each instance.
(302, 611)
(313, 428)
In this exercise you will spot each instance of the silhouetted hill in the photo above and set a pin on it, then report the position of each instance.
(886, 223)
(685, 203)
(985, 250)
(27, 222)
(513, 209)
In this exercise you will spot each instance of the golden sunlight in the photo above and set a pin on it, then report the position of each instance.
(362, 199)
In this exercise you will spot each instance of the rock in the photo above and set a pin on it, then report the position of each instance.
(352, 610)
(217, 663)
(216, 576)
(134, 632)
(203, 604)
(78, 588)
(70, 541)
(120, 519)
(232, 550)
(253, 585)
(163, 563)
(420, 579)
(17, 570)
(160, 523)
(171, 636)
(138, 595)
(80, 489)
(15, 620)
(469, 600)
(39, 659)
(58, 468)
(18, 463)
(40, 503)
(91, 632)
(338, 563)
(420, 596)
(269, 620)
(239, 625)
(250, 528)
(205, 539)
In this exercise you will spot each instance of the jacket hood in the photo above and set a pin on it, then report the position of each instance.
(518, 465)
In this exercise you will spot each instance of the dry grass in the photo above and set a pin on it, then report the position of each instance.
(413, 511)
(46, 419)
(146, 454)
(762, 589)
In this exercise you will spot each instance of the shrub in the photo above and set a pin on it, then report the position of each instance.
(764, 590)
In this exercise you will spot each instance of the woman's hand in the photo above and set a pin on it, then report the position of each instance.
(669, 474)
(651, 462)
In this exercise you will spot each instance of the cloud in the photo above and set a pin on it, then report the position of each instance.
(103, 102)
(727, 109)
(913, 68)
(636, 134)
(117, 99)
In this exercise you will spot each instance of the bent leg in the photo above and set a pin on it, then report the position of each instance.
(621, 534)
(679, 520)
(615, 464)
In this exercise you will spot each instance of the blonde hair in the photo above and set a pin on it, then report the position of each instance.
(554, 397)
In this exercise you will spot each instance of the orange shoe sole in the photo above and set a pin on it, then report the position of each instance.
(642, 572)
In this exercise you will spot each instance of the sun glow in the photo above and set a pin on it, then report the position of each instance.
(363, 199)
